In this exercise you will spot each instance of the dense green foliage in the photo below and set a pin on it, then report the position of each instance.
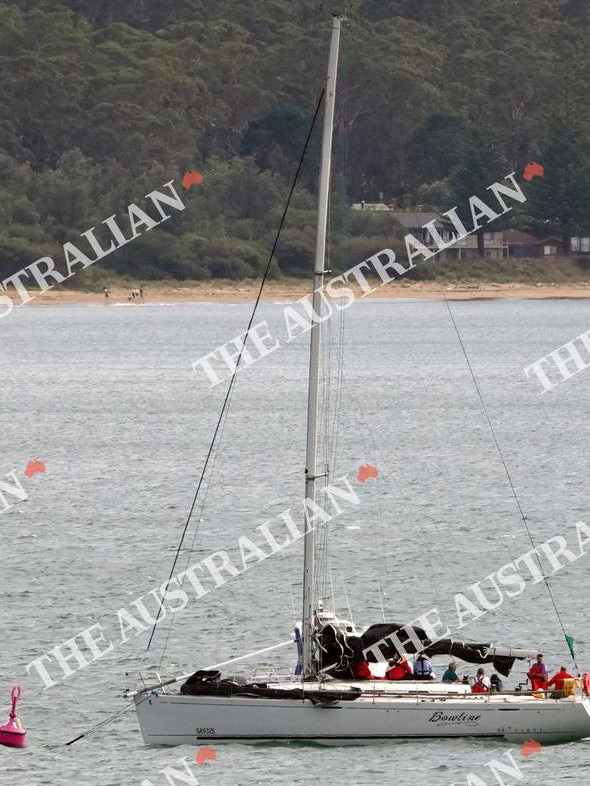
(101, 102)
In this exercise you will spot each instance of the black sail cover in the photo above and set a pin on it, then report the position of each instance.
(338, 651)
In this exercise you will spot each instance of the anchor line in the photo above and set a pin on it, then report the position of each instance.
(508, 476)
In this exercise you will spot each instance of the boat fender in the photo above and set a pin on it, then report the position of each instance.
(586, 683)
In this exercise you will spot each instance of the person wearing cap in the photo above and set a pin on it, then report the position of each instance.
(398, 669)
(537, 674)
(450, 674)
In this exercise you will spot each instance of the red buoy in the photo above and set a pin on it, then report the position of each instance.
(12, 733)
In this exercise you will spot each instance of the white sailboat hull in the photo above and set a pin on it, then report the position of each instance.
(174, 719)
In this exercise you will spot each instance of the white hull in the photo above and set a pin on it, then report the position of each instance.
(174, 719)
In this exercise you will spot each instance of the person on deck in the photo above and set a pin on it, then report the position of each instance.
(558, 680)
(361, 671)
(423, 668)
(537, 674)
(482, 683)
(450, 674)
(496, 683)
(398, 669)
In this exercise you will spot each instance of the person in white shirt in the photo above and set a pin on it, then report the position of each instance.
(481, 684)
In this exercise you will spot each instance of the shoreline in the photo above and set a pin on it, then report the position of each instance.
(245, 292)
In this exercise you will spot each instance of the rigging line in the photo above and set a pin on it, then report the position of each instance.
(347, 601)
(342, 139)
(332, 589)
(243, 346)
(334, 346)
(331, 397)
(290, 585)
(191, 550)
(370, 449)
(327, 406)
(333, 418)
(507, 471)
(102, 723)
(381, 601)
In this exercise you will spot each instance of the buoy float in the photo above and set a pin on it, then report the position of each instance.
(12, 733)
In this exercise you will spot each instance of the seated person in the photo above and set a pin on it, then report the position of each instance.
(361, 671)
(481, 683)
(450, 674)
(557, 680)
(398, 669)
(496, 683)
(537, 674)
(423, 668)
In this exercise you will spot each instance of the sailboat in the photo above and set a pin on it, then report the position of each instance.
(323, 702)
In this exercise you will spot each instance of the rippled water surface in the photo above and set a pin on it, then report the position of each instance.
(107, 398)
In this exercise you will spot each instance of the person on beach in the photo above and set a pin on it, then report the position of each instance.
(537, 674)
(106, 291)
(450, 674)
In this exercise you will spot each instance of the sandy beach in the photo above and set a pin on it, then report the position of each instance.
(230, 292)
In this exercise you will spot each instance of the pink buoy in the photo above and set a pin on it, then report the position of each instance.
(12, 733)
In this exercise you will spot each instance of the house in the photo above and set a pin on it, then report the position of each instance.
(521, 244)
(580, 245)
(464, 248)
(497, 244)
(551, 246)
(378, 206)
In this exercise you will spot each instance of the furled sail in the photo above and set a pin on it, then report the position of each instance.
(338, 651)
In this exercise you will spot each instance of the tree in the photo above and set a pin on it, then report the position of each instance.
(482, 162)
(559, 202)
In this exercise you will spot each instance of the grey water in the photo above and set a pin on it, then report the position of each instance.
(108, 399)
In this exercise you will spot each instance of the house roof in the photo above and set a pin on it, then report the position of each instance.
(412, 220)
(517, 238)
(370, 206)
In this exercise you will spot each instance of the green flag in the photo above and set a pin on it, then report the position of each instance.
(570, 644)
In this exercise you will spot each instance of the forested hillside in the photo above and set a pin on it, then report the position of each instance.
(103, 101)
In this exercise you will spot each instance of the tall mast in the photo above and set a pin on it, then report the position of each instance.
(314, 355)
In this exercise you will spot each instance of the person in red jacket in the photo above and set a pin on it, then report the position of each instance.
(361, 671)
(398, 669)
(559, 679)
(537, 674)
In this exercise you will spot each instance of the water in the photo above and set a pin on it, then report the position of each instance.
(107, 398)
